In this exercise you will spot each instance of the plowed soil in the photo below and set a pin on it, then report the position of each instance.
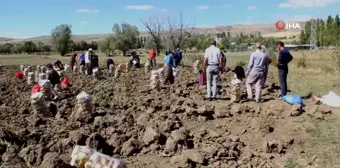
(146, 128)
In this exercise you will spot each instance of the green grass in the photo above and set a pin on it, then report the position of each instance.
(324, 142)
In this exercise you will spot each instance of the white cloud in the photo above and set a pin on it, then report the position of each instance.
(84, 22)
(202, 7)
(139, 7)
(307, 3)
(251, 7)
(87, 11)
(164, 10)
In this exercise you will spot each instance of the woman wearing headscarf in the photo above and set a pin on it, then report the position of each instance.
(169, 64)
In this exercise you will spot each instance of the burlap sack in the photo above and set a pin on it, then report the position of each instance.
(75, 68)
(46, 89)
(111, 68)
(155, 82)
(67, 68)
(147, 67)
(22, 67)
(100, 160)
(26, 72)
(82, 69)
(30, 78)
(38, 104)
(235, 90)
(36, 76)
(196, 66)
(96, 73)
(83, 109)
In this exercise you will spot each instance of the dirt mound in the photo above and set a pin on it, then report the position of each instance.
(173, 127)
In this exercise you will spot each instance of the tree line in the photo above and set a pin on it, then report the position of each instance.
(30, 47)
(328, 32)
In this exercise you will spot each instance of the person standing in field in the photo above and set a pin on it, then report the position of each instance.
(73, 60)
(284, 59)
(109, 62)
(88, 62)
(168, 71)
(52, 75)
(223, 65)
(82, 60)
(257, 68)
(152, 58)
(213, 66)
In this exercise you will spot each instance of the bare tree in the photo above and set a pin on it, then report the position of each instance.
(177, 29)
(155, 28)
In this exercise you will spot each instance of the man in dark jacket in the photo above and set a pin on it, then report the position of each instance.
(109, 62)
(94, 61)
(52, 75)
(283, 59)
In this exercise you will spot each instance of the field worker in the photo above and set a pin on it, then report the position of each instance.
(283, 59)
(94, 61)
(82, 60)
(178, 57)
(58, 64)
(109, 62)
(135, 60)
(257, 67)
(223, 65)
(52, 75)
(88, 61)
(152, 58)
(212, 65)
(264, 50)
(169, 64)
(73, 60)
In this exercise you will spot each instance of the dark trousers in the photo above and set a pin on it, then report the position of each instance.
(283, 81)
(88, 67)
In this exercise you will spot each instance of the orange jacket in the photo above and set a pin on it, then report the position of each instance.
(152, 54)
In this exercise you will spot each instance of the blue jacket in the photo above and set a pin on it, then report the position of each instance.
(169, 60)
(82, 58)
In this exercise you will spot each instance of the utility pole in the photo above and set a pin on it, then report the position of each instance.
(313, 37)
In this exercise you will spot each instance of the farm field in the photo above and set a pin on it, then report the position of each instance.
(174, 127)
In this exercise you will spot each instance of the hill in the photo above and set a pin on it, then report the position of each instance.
(266, 29)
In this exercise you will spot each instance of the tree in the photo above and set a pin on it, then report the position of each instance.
(29, 47)
(155, 27)
(126, 37)
(177, 29)
(40, 47)
(83, 45)
(62, 38)
(107, 45)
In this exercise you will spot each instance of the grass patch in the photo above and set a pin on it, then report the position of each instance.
(291, 163)
(324, 142)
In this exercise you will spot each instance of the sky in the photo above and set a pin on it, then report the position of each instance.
(24, 19)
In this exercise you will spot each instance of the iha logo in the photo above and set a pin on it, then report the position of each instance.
(281, 25)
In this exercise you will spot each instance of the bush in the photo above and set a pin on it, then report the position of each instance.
(302, 63)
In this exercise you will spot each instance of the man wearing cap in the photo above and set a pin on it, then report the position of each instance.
(88, 62)
(257, 68)
(213, 66)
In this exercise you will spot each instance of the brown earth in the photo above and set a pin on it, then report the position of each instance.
(171, 128)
